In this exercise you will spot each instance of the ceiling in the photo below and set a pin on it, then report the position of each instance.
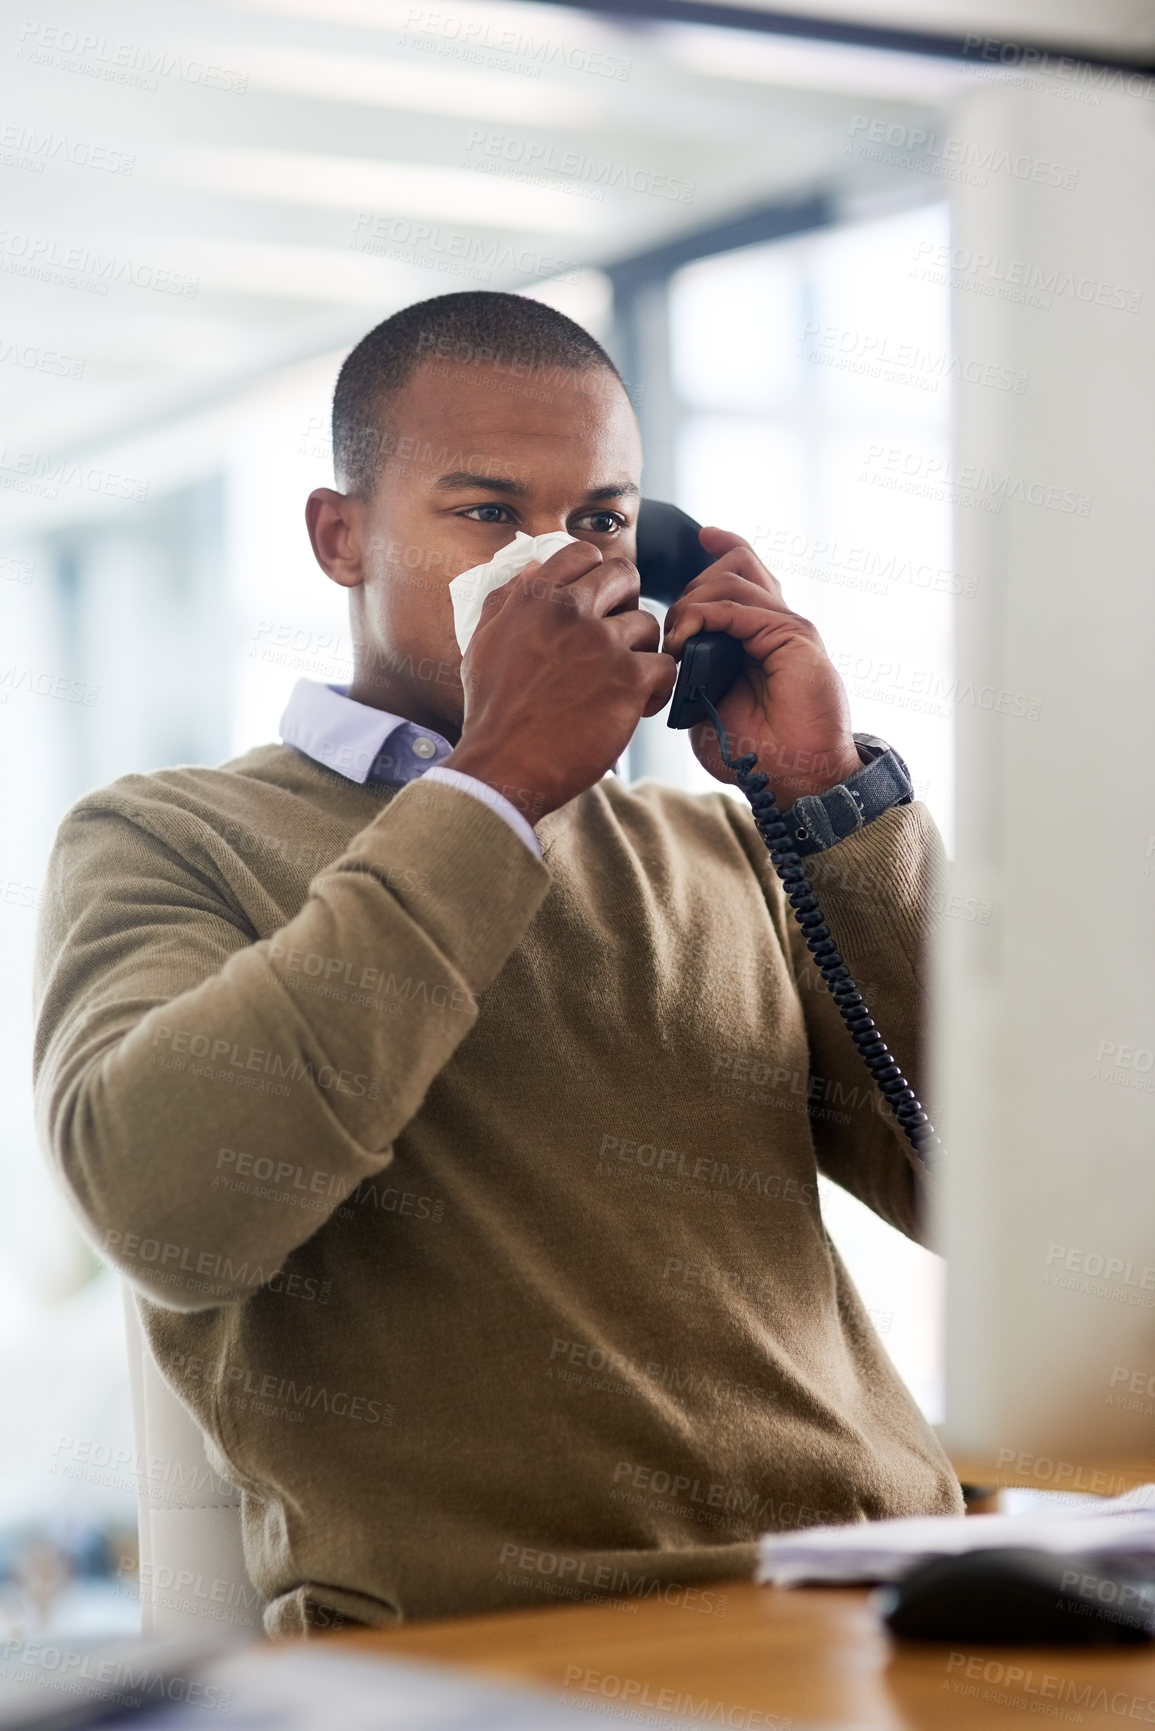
(199, 193)
(1110, 28)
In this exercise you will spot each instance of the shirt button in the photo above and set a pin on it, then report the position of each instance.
(423, 746)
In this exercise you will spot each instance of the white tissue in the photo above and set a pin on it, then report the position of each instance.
(468, 591)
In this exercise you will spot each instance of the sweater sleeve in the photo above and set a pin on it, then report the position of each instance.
(877, 890)
(170, 1042)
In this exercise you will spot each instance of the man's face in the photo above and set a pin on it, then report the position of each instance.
(474, 455)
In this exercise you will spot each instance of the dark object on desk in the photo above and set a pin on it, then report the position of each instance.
(1025, 1598)
(982, 1499)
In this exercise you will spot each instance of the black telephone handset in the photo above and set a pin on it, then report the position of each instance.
(710, 664)
(670, 556)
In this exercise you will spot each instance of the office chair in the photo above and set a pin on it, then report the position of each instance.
(192, 1561)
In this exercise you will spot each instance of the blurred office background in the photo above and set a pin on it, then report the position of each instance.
(206, 205)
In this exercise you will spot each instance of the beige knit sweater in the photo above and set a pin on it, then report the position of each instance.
(470, 1196)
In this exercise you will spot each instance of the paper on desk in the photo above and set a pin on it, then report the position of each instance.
(888, 1550)
(468, 591)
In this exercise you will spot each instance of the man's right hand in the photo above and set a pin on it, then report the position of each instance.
(560, 670)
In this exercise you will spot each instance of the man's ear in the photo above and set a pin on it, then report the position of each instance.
(335, 522)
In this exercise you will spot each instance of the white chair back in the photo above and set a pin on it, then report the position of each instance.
(192, 1561)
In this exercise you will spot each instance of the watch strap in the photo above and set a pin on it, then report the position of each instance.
(818, 820)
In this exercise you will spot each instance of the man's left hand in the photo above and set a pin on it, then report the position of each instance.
(788, 703)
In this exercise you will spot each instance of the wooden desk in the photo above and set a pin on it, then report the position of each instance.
(805, 1654)
(1094, 1478)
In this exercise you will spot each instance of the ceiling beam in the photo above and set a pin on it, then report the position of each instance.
(939, 45)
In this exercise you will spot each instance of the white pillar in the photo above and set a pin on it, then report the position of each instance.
(1049, 1145)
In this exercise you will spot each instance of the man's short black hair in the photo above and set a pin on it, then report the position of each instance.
(479, 327)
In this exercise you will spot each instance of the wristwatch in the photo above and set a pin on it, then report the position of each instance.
(818, 820)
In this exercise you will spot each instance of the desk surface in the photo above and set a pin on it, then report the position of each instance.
(1102, 1477)
(804, 1654)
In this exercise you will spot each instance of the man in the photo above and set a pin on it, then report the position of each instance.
(455, 1109)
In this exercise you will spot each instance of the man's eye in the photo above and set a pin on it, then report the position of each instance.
(601, 522)
(499, 509)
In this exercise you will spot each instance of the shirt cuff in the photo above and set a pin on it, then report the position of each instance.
(482, 790)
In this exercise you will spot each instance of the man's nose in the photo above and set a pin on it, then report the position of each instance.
(546, 522)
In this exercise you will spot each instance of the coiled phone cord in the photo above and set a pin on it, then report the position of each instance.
(872, 1048)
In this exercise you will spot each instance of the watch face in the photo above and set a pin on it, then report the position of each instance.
(870, 746)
